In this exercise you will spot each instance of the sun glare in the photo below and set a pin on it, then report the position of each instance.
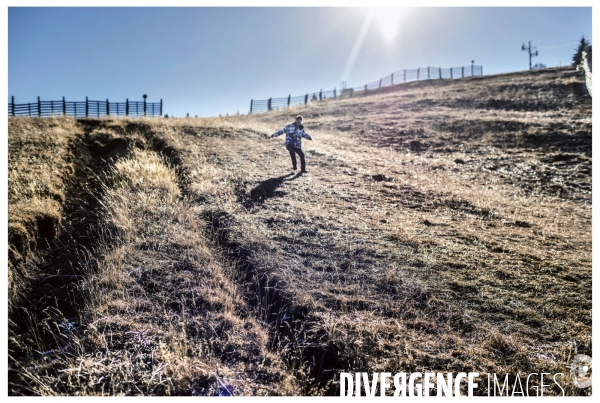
(388, 19)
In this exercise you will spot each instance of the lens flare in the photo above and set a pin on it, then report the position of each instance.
(388, 20)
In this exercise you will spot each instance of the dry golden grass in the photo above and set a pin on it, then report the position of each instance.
(175, 317)
(443, 226)
(158, 311)
(40, 161)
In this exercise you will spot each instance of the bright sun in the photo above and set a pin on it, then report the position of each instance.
(388, 19)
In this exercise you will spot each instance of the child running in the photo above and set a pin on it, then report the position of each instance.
(293, 141)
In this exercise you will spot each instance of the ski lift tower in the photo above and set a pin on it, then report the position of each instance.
(531, 52)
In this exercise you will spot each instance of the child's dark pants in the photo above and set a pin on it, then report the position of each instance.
(293, 150)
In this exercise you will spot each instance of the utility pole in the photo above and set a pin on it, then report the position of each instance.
(531, 52)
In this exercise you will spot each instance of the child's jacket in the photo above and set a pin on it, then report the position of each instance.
(293, 135)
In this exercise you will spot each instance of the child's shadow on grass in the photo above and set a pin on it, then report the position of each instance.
(268, 189)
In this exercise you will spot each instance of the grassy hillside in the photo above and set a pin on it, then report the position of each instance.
(442, 226)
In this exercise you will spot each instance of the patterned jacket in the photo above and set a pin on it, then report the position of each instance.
(293, 135)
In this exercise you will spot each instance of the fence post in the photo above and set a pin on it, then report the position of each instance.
(161, 107)
(451, 73)
(51, 108)
(269, 104)
(29, 107)
(97, 109)
(428, 76)
(126, 106)
(64, 107)
(289, 98)
(440, 73)
(39, 107)
(471, 69)
(320, 95)
(87, 107)
(251, 102)
(463, 71)
(365, 88)
(305, 99)
(418, 71)
(107, 108)
(13, 106)
(144, 106)
(481, 71)
(392, 78)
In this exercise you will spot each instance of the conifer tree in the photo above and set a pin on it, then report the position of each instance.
(584, 45)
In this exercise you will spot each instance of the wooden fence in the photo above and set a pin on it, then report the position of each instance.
(87, 108)
(397, 77)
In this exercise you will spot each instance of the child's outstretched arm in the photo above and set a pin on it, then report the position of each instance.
(305, 135)
(278, 133)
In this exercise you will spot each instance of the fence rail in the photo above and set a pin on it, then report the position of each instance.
(87, 108)
(397, 77)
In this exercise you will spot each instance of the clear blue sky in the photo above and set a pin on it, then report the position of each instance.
(211, 61)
